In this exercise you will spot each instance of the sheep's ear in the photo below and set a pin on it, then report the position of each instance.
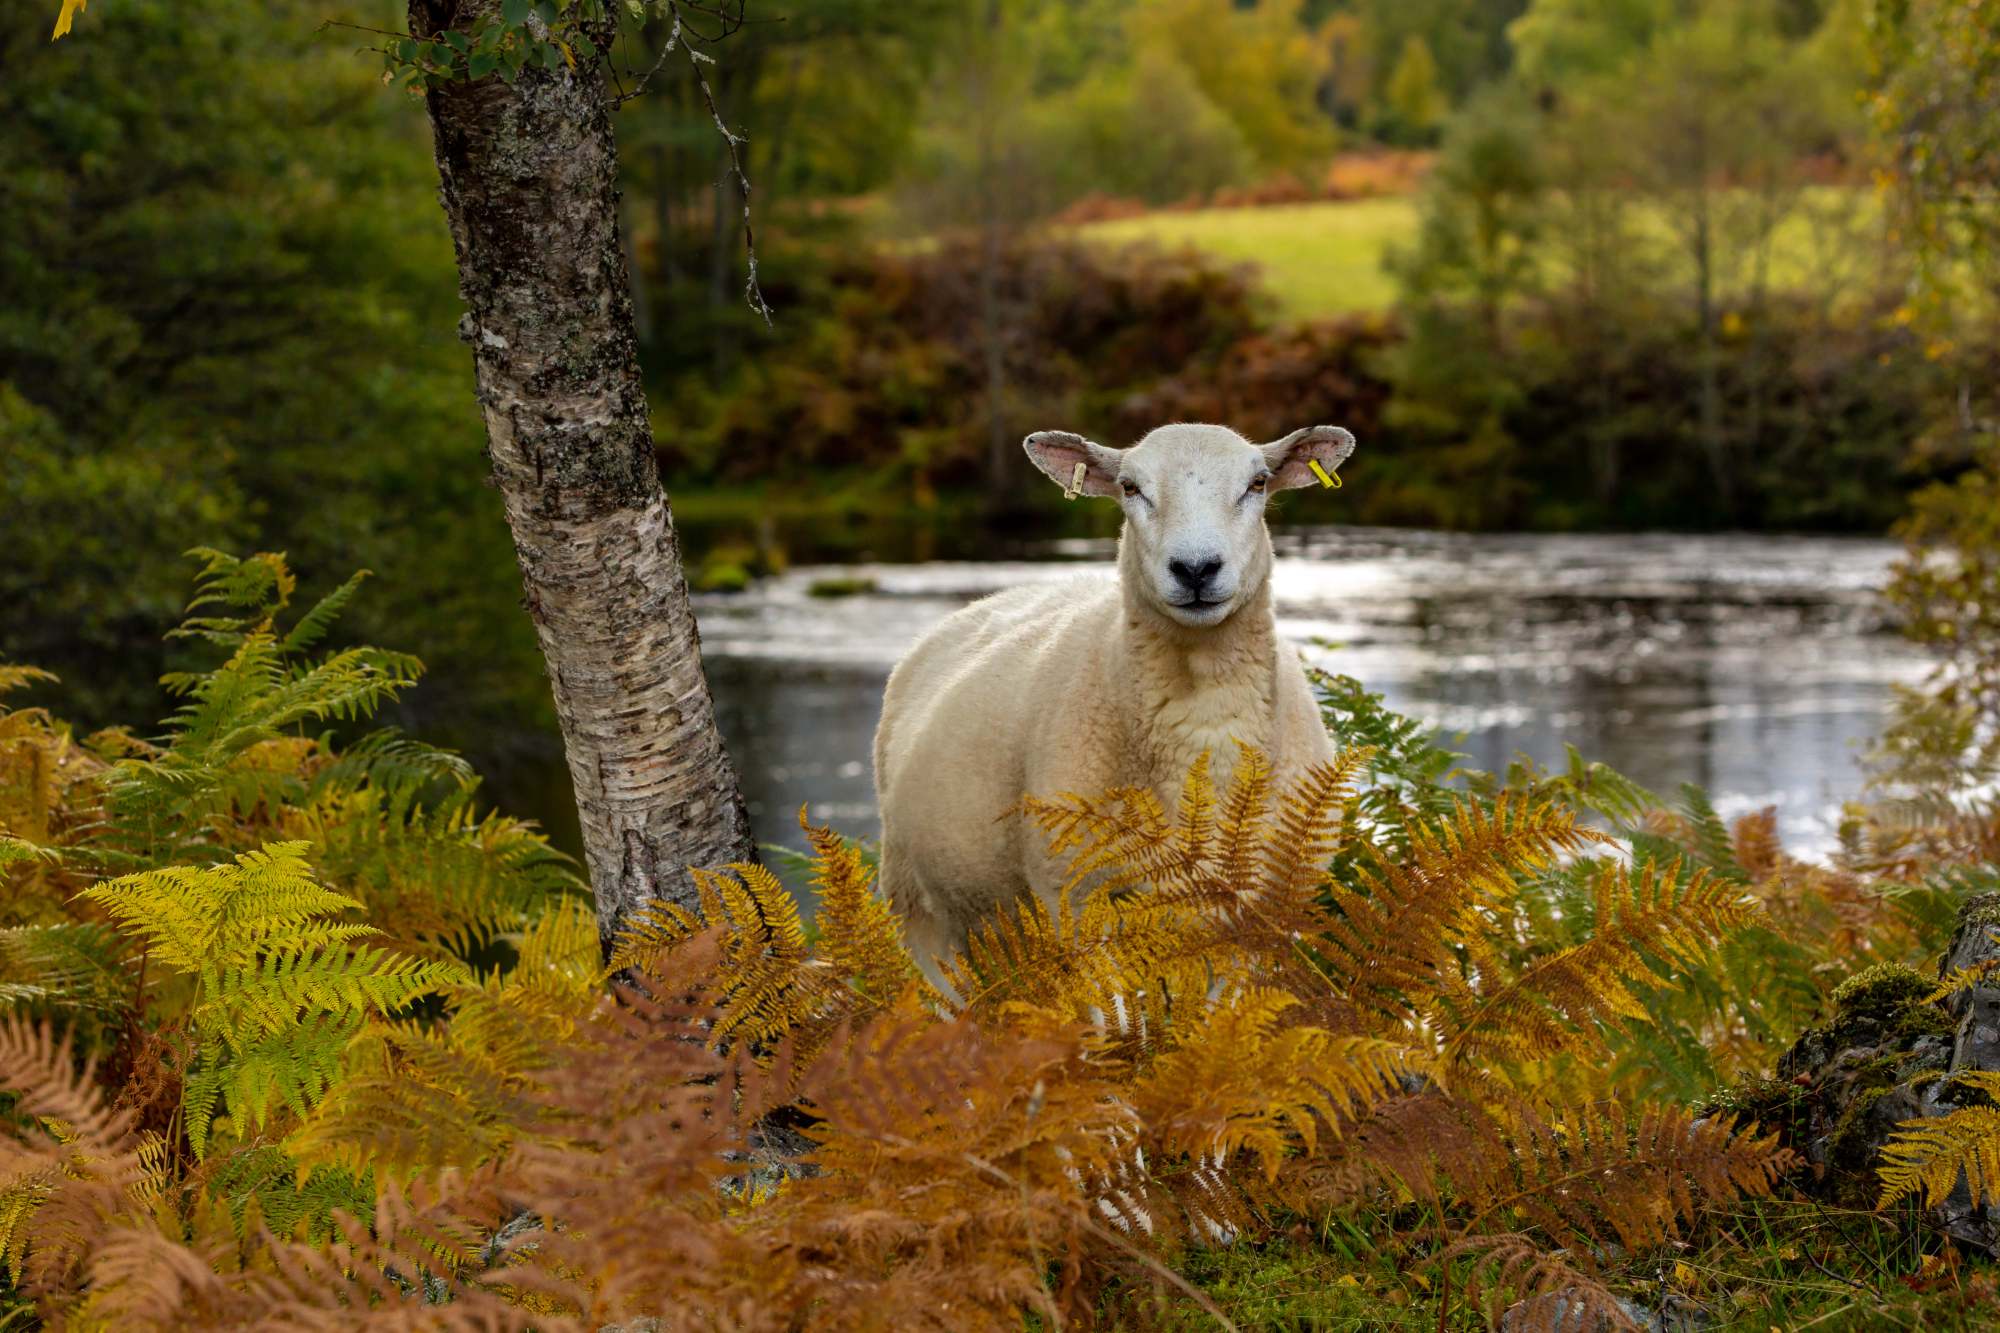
(1057, 452)
(1291, 458)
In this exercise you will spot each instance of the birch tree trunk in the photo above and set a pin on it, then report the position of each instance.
(529, 185)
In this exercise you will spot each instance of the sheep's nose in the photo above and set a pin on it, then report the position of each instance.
(1194, 577)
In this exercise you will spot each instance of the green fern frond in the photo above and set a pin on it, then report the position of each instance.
(310, 628)
(385, 759)
(263, 1187)
(78, 966)
(447, 878)
(1708, 837)
(280, 988)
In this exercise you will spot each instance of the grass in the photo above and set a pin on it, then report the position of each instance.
(1317, 259)
(1322, 259)
(1758, 1266)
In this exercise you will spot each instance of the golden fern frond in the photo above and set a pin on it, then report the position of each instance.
(1926, 1158)
(559, 968)
(14, 676)
(1023, 955)
(1390, 937)
(771, 985)
(413, 1096)
(1600, 1174)
(1307, 831)
(1230, 890)
(859, 935)
(1238, 1079)
(411, 1099)
(1124, 838)
(1557, 1002)
(1965, 978)
(1241, 825)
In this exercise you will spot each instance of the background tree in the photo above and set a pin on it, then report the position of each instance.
(520, 115)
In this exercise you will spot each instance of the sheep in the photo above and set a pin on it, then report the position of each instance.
(1087, 684)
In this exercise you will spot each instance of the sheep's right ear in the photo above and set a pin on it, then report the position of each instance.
(1057, 452)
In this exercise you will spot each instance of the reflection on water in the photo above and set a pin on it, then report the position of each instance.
(1755, 666)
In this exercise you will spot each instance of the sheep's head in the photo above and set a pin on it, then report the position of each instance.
(1194, 545)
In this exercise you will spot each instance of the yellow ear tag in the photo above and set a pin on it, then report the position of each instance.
(1327, 479)
(1075, 486)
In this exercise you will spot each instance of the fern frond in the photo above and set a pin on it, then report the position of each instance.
(17, 677)
(1603, 1175)
(771, 984)
(447, 879)
(310, 628)
(1238, 1079)
(1392, 935)
(1552, 1295)
(1926, 1158)
(1643, 920)
(859, 935)
(279, 988)
(79, 966)
(1307, 830)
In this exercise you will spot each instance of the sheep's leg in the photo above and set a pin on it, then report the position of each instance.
(930, 938)
(931, 943)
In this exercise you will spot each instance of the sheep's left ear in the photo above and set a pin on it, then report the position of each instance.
(1291, 458)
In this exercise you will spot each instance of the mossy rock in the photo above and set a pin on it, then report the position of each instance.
(721, 576)
(1881, 991)
(839, 587)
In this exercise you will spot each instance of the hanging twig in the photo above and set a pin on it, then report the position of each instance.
(753, 293)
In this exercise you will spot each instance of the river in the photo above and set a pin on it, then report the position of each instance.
(1755, 666)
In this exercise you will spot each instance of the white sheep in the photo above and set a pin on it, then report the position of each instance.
(1088, 684)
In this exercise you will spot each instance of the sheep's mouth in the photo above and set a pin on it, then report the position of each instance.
(1199, 605)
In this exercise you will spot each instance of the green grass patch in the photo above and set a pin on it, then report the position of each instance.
(1324, 259)
(1316, 259)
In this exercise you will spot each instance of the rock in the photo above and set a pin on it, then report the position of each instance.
(1883, 1058)
(1559, 1312)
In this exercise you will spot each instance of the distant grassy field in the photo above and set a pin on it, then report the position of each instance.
(1318, 259)
(1322, 259)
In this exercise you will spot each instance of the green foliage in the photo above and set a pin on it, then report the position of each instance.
(519, 35)
(1413, 97)
(231, 325)
(280, 986)
(1937, 89)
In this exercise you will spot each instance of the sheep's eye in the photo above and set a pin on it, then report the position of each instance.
(1130, 488)
(1257, 484)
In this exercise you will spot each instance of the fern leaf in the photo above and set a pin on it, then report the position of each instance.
(280, 989)
(1239, 1080)
(859, 934)
(311, 627)
(1926, 1158)
(1643, 920)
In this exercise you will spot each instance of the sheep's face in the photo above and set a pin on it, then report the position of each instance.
(1194, 496)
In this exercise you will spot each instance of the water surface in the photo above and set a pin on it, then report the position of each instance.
(1755, 666)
